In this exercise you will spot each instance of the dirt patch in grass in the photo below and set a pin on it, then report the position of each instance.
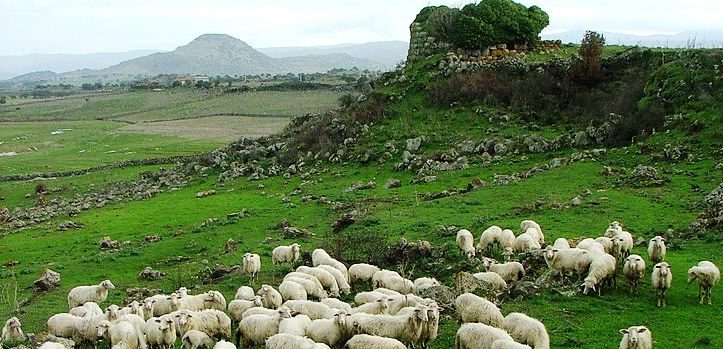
(217, 128)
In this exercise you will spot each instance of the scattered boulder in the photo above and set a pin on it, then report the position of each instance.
(644, 176)
(712, 215)
(139, 294)
(345, 220)
(414, 144)
(576, 201)
(220, 272)
(48, 280)
(295, 233)
(229, 246)
(361, 186)
(393, 183)
(67, 225)
(443, 295)
(467, 147)
(404, 251)
(44, 337)
(203, 194)
(107, 243)
(152, 239)
(150, 274)
(4, 214)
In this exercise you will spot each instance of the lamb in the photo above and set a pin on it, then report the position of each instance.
(133, 308)
(122, 335)
(708, 275)
(662, 277)
(527, 225)
(561, 243)
(286, 341)
(325, 279)
(312, 290)
(526, 243)
(361, 272)
(296, 325)
(160, 332)
(87, 309)
(465, 242)
(320, 257)
(380, 306)
(270, 297)
(633, 270)
(572, 260)
(507, 344)
(478, 336)
(602, 269)
(636, 337)
(286, 254)
(245, 293)
(62, 325)
(493, 280)
(237, 307)
(340, 275)
(82, 294)
(194, 339)
(488, 238)
(395, 283)
(425, 283)
(162, 304)
(510, 271)
(314, 310)
(255, 329)
(292, 290)
(527, 330)
(406, 328)
(337, 304)
(222, 344)
(213, 322)
(251, 264)
(365, 341)
(12, 330)
(656, 249)
(473, 308)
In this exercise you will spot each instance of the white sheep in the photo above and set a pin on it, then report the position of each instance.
(312, 289)
(510, 271)
(12, 330)
(633, 271)
(384, 273)
(251, 264)
(488, 238)
(571, 260)
(62, 325)
(286, 254)
(507, 239)
(430, 328)
(86, 329)
(493, 280)
(406, 328)
(508, 344)
(527, 225)
(636, 337)
(340, 275)
(306, 276)
(473, 308)
(320, 257)
(82, 294)
(592, 246)
(325, 279)
(237, 307)
(656, 249)
(292, 290)
(290, 341)
(255, 329)
(331, 331)
(160, 332)
(365, 341)
(361, 272)
(314, 310)
(335, 303)
(708, 275)
(478, 336)
(222, 344)
(51, 345)
(296, 325)
(261, 311)
(526, 243)
(133, 308)
(561, 243)
(396, 283)
(527, 330)
(662, 278)
(625, 242)
(368, 297)
(270, 297)
(465, 242)
(159, 305)
(213, 322)
(245, 293)
(87, 309)
(602, 269)
(208, 300)
(425, 283)
(122, 335)
(378, 307)
(194, 339)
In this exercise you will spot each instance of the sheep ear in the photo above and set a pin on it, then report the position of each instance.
(641, 330)
(623, 331)
(158, 321)
(657, 267)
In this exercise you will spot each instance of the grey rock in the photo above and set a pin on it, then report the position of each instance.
(48, 281)
(467, 147)
(500, 149)
(414, 144)
(576, 201)
(149, 273)
(393, 183)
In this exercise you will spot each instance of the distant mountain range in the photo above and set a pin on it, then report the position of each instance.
(686, 39)
(209, 54)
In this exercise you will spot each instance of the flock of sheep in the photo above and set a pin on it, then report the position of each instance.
(304, 312)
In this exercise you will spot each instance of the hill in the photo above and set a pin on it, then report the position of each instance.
(386, 53)
(13, 66)
(685, 39)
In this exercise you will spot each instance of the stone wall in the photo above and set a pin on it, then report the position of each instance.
(423, 44)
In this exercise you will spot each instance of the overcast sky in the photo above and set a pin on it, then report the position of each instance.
(84, 26)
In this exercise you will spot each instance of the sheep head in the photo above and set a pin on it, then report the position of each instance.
(663, 268)
(102, 329)
(107, 285)
(633, 333)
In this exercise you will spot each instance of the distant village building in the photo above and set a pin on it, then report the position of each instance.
(191, 79)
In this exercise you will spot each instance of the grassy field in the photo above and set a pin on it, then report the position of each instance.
(213, 128)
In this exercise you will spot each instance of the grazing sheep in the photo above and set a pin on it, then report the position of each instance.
(82, 294)
(332, 331)
(320, 257)
(365, 341)
(196, 339)
(86, 330)
(572, 260)
(160, 332)
(62, 325)
(307, 276)
(430, 328)
(325, 279)
(270, 297)
(636, 337)
(592, 246)
(396, 283)
(213, 322)
(425, 283)
(473, 308)
(162, 304)
(662, 277)
(526, 243)
(208, 300)
(255, 329)
(508, 253)
(237, 307)
(133, 308)
(478, 336)
(290, 341)
(561, 243)
(261, 311)
(12, 330)
(292, 290)
(337, 304)
(312, 290)
(296, 325)
(493, 280)
(222, 344)
(122, 335)
(382, 274)
(488, 238)
(527, 330)
(368, 297)
(406, 328)
(378, 307)
(361, 272)
(656, 249)
(510, 271)
(526, 226)
(341, 279)
(251, 264)
(314, 310)
(286, 254)
(507, 239)
(87, 309)
(633, 270)
(245, 293)
(465, 242)
(602, 269)
(508, 344)
(625, 242)
(708, 275)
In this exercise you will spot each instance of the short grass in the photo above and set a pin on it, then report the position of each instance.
(213, 128)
